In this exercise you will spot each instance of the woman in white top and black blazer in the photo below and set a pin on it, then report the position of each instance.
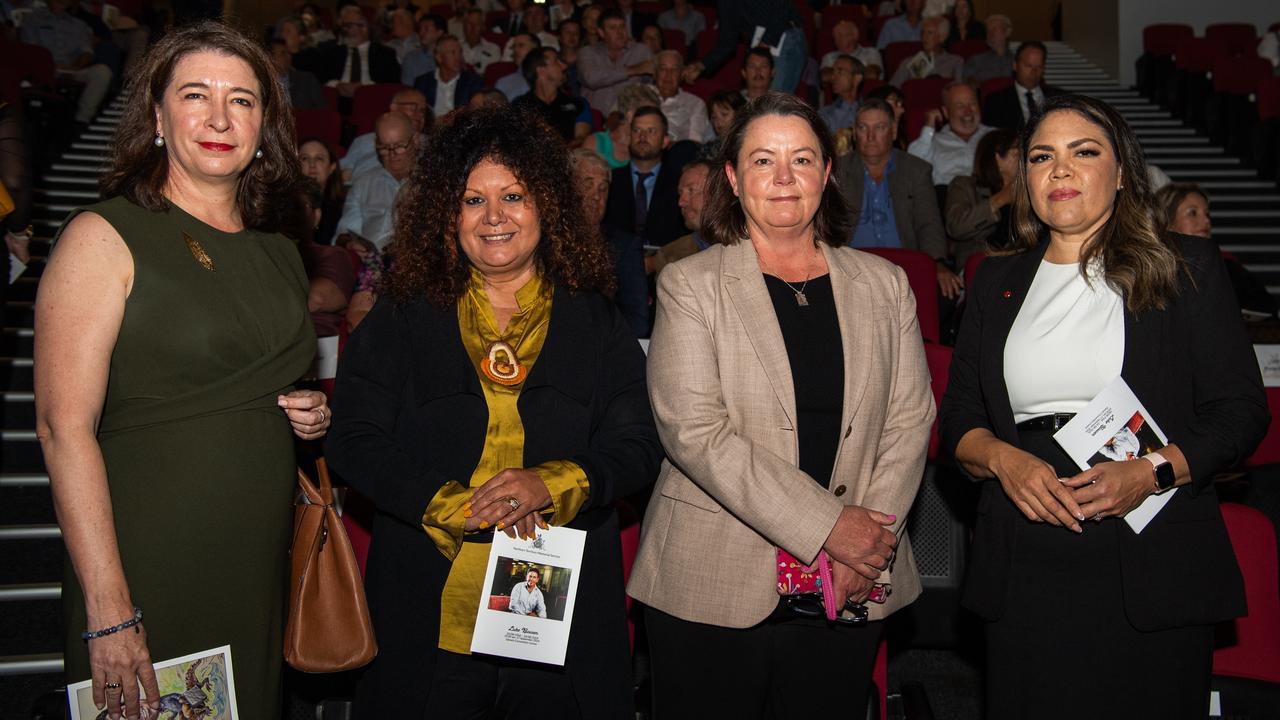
(1084, 616)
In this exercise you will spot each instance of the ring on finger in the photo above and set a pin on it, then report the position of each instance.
(111, 686)
(322, 415)
(1097, 517)
(514, 503)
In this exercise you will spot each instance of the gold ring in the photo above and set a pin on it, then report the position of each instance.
(514, 503)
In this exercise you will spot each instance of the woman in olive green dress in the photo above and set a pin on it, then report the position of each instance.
(171, 324)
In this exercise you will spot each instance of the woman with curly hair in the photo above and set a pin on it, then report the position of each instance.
(495, 388)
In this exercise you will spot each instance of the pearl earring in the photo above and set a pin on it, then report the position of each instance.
(258, 154)
(159, 141)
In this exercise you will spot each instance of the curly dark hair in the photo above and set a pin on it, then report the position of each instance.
(139, 170)
(430, 262)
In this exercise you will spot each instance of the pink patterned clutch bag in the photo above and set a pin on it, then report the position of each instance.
(796, 578)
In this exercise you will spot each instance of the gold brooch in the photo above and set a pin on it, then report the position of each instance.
(198, 252)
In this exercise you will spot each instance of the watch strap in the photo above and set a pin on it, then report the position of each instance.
(1163, 470)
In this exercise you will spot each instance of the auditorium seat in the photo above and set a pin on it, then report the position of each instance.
(1248, 648)
(323, 123)
(497, 38)
(330, 97)
(971, 267)
(675, 40)
(994, 85)
(370, 102)
(1188, 86)
(869, 85)
(498, 70)
(1266, 134)
(444, 10)
(1268, 451)
(1240, 38)
(968, 48)
(895, 53)
(939, 359)
(1159, 43)
(1232, 111)
(629, 527)
(923, 93)
(922, 274)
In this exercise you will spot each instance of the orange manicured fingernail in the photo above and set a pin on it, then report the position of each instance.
(467, 513)
(499, 526)
(484, 524)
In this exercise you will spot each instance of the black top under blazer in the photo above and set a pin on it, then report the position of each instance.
(410, 415)
(1191, 365)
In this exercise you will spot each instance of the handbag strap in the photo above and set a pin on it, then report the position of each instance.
(313, 494)
(828, 587)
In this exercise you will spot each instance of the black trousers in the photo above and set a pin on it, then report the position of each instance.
(794, 668)
(471, 687)
(1064, 647)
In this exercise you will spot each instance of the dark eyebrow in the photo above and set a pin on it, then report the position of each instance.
(1072, 144)
(204, 86)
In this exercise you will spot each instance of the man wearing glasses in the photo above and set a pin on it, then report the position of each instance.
(361, 156)
(356, 60)
(368, 214)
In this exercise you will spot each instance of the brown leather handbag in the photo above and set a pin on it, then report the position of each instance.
(328, 628)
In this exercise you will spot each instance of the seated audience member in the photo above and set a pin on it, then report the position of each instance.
(1183, 207)
(890, 193)
(570, 116)
(514, 21)
(488, 97)
(316, 32)
(635, 20)
(368, 214)
(951, 149)
(845, 34)
(570, 36)
(642, 196)
(979, 205)
(321, 165)
(562, 11)
(932, 60)
(964, 26)
(757, 73)
(651, 37)
(513, 84)
(997, 61)
(422, 60)
(686, 113)
(535, 22)
(356, 60)
(403, 37)
(893, 96)
(590, 20)
(846, 77)
(476, 50)
(903, 28)
(330, 277)
(593, 176)
(683, 17)
(1010, 107)
(302, 87)
(293, 31)
(452, 84)
(722, 106)
(70, 41)
(693, 194)
(613, 142)
(606, 68)
(362, 155)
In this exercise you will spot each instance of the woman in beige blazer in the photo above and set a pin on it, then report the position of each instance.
(789, 382)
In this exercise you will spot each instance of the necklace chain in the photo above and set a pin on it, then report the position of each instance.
(801, 299)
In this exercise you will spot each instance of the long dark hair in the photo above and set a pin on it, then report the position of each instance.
(725, 222)
(986, 163)
(139, 170)
(334, 191)
(430, 262)
(1137, 260)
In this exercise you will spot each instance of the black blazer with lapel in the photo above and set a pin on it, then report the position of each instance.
(1001, 109)
(413, 417)
(331, 58)
(1191, 365)
(664, 222)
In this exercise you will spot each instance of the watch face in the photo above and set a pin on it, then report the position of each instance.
(1164, 475)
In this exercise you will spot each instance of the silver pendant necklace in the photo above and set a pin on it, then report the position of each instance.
(801, 299)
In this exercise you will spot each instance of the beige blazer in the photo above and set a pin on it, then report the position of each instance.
(721, 387)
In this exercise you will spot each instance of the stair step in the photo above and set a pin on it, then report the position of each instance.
(71, 179)
(31, 664)
(23, 480)
(30, 532)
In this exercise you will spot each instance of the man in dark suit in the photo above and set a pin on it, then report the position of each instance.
(451, 85)
(1009, 108)
(514, 22)
(303, 88)
(650, 178)
(890, 194)
(356, 60)
(636, 21)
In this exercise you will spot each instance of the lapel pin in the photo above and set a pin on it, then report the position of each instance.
(1006, 294)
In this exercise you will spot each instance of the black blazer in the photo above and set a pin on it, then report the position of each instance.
(331, 57)
(467, 86)
(304, 90)
(1001, 108)
(1191, 365)
(413, 417)
(664, 222)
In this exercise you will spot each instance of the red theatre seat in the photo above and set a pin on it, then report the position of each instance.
(330, 97)
(939, 359)
(895, 53)
(1255, 653)
(880, 676)
(994, 85)
(629, 523)
(444, 10)
(1268, 451)
(923, 93)
(1196, 55)
(1239, 38)
(1269, 98)
(370, 102)
(922, 274)
(1163, 38)
(323, 123)
(967, 48)
(971, 267)
(1239, 75)
(498, 70)
(675, 40)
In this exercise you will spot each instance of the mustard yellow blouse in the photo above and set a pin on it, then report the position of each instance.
(503, 448)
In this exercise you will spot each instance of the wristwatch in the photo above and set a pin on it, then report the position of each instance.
(1163, 470)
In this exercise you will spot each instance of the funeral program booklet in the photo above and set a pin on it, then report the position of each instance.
(199, 685)
(527, 606)
(1115, 426)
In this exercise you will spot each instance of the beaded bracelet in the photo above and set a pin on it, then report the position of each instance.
(130, 623)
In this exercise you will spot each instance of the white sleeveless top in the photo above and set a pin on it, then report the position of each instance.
(1066, 344)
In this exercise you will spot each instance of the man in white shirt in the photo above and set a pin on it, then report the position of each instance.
(951, 149)
(1013, 106)
(607, 67)
(686, 113)
(526, 598)
(368, 214)
(845, 35)
(476, 51)
(535, 23)
(356, 60)
(362, 155)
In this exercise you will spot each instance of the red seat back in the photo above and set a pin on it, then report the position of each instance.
(1255, 653)
(1195, 55)
(498, 70)
(444, 10)
(1239, 75)
(370, 102)
(1268, 451)
(31, 63)
(1269, 98)
(1240, 38)
(629, 523)
(496, 18)
(923, 93)
(323, 123)
(330, 97)
(870, 84)
(675, 40)
(497, 38)
(939, 359)
(896, 52)
(922, 274)
(880, 676)
(994, 85)
(968, 48)
(1163, 38)
(650, 7)
(971, 267)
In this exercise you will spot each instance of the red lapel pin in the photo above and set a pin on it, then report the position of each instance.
(1007, 294)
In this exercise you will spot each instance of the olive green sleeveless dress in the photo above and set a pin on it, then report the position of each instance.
(200, 460)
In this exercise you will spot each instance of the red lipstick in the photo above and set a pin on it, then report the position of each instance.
(217, 147)
(1063, 194)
